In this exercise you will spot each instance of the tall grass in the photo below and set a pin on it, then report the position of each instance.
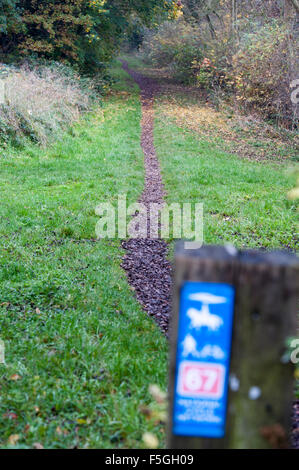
(41, 101)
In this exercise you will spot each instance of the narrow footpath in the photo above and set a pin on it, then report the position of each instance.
(145, 262)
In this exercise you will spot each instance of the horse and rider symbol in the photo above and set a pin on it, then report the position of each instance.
(203, 318)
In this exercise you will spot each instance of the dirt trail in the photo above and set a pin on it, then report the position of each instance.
(145, 261)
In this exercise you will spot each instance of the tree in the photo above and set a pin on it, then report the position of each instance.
(85, 32)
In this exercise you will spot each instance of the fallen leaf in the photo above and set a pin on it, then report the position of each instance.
(145, 410)
(61, 432)
(157, 393)
(81, 421)
(10, 415)
(13, 439)
(293, 194)
(15, 377)
(150, 440)
(37, 445)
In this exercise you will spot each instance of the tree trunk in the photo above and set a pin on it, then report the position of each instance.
(292, 22)
(212, 29)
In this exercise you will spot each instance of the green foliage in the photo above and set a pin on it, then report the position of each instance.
(190, 55)
(9, 16)
(134, 35)
(84, 32)
(174, 44)
(234, 49)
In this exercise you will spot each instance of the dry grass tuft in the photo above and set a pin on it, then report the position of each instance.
(39, 102)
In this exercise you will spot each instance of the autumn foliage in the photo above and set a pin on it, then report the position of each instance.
(246, 50)
(85, 32)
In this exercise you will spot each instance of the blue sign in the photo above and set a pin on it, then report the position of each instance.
(203, 356)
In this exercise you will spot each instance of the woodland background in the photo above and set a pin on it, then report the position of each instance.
(246, 51)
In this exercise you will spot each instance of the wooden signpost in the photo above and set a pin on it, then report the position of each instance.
(233, 313)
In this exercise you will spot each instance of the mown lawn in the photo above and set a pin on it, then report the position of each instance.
(245, 202)
(80, 353)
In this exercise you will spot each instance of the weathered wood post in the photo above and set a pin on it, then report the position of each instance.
(260, 386)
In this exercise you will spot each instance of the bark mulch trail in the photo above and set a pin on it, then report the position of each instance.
(145, 262)
(295, 430)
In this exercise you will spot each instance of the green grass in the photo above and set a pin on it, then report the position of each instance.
(134, 61)
(76, 340)
(81, 350)
(245, 202)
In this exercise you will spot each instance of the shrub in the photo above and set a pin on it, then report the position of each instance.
(41, 101)
(180, 46)
(253, 65)
(176, 45)
(260, 71)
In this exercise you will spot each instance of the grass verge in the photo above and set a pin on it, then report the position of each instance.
(80, 353)
(245, 202)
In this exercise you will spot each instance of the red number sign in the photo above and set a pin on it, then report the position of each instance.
(201, 380)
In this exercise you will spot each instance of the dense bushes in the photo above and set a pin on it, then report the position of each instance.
(176, 45)
(188, 53)
(261, 71)
(66, 30)
(82, 32)
(41, 101)
(253, 68)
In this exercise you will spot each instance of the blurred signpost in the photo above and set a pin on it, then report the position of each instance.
(230, 384)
